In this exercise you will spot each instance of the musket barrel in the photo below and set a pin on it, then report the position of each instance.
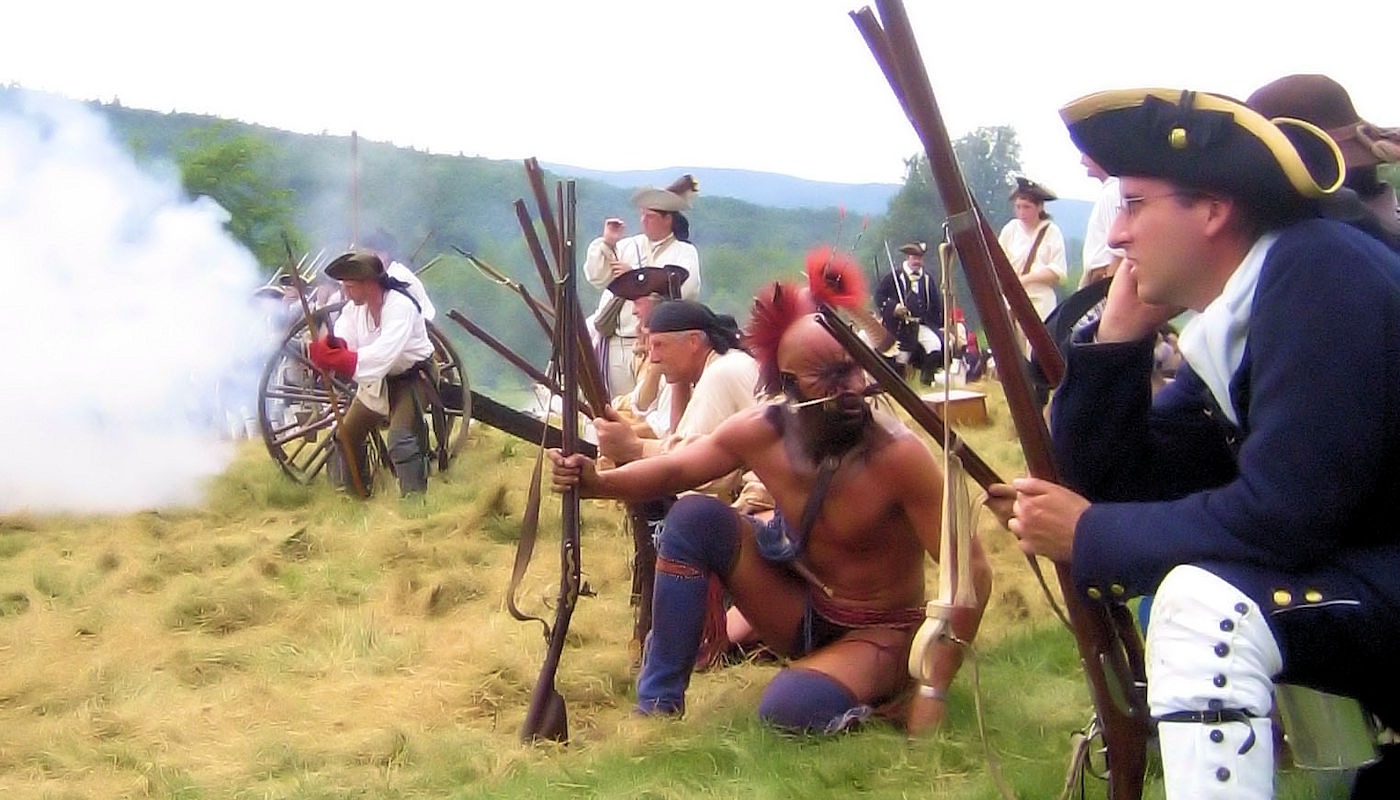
(1109, 646)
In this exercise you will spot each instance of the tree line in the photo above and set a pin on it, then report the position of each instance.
(308, 188)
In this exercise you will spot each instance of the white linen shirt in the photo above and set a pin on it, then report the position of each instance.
(639, 251)
(1096, 251)
(399, 341)
(726, 386)
(1016, 241)
(415, 288)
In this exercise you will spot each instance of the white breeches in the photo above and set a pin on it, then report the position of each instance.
(1209, 649)
(621, 378)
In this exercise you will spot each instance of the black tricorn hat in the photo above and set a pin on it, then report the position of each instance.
(1207, 142)
(358, 265)
(638, 283)
(1029, 188)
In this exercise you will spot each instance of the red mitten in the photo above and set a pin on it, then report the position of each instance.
(330, 353)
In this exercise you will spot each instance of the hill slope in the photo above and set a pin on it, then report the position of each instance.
(759, 188)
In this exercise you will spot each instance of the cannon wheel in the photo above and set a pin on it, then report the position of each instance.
(294, 410)
(451, 417)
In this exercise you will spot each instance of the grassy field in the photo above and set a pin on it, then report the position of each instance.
(283, 641)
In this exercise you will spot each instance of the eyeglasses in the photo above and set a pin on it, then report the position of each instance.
(1132, 204)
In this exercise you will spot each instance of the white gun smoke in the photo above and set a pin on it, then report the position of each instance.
(127, 337)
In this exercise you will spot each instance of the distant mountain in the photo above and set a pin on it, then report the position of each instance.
(760, 188)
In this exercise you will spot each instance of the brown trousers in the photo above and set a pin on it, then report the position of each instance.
(406, 409)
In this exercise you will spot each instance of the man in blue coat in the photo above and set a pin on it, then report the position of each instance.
(1252, 495)
(910, 303)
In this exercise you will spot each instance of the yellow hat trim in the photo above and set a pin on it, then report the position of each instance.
(1262, 129)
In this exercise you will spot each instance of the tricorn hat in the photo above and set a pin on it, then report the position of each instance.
(1029, 188)
(638, 283)
(675, 197)
(914, 248)
(356, 265)
(1325, 103)
(1205, 141)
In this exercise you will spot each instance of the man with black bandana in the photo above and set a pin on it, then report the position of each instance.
(711, 378)
(835, 580)
(708, 379)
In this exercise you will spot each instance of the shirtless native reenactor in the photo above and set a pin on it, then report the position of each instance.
(836, 580)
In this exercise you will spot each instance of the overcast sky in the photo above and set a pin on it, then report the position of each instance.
(782, 86)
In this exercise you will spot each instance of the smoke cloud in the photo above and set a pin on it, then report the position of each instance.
(128, 340)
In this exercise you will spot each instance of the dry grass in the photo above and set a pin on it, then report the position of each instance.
(281, 633)
(287, 642)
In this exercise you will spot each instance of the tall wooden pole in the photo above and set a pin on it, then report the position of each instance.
(354, 188)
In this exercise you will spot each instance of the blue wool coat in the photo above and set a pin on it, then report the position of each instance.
(1295, 504)
(925, 305)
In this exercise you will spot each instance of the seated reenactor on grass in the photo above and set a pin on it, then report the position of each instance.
(836, 580)
(1253, 495)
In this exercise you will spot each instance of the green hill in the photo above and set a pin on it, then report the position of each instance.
(431, 202)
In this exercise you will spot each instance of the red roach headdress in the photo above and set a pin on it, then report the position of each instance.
(833, 278)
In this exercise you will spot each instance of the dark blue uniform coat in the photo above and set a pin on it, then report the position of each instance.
(1298, 505)
(925, 305)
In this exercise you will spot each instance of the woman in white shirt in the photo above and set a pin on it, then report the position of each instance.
(1034, 245)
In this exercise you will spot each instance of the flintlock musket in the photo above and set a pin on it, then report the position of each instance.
(1109, 646)
(515, 359)
(590, 379)
(352, 463)
(547, 717)
(541, 314)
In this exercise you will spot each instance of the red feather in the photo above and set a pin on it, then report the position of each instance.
(835, 278)
(774, 311)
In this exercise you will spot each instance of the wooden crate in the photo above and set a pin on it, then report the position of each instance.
(965, 407)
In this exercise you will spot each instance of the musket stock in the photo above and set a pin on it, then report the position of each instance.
(590, 379)
(535, 175)
(919, 109)
(1109, 646)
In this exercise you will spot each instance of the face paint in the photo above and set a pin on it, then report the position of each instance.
(825, 390)
(834, 424)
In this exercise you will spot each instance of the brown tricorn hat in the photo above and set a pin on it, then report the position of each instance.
(356, 265)
(675, 197)
(914, 248)
(638, 283)
(1325, 103)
